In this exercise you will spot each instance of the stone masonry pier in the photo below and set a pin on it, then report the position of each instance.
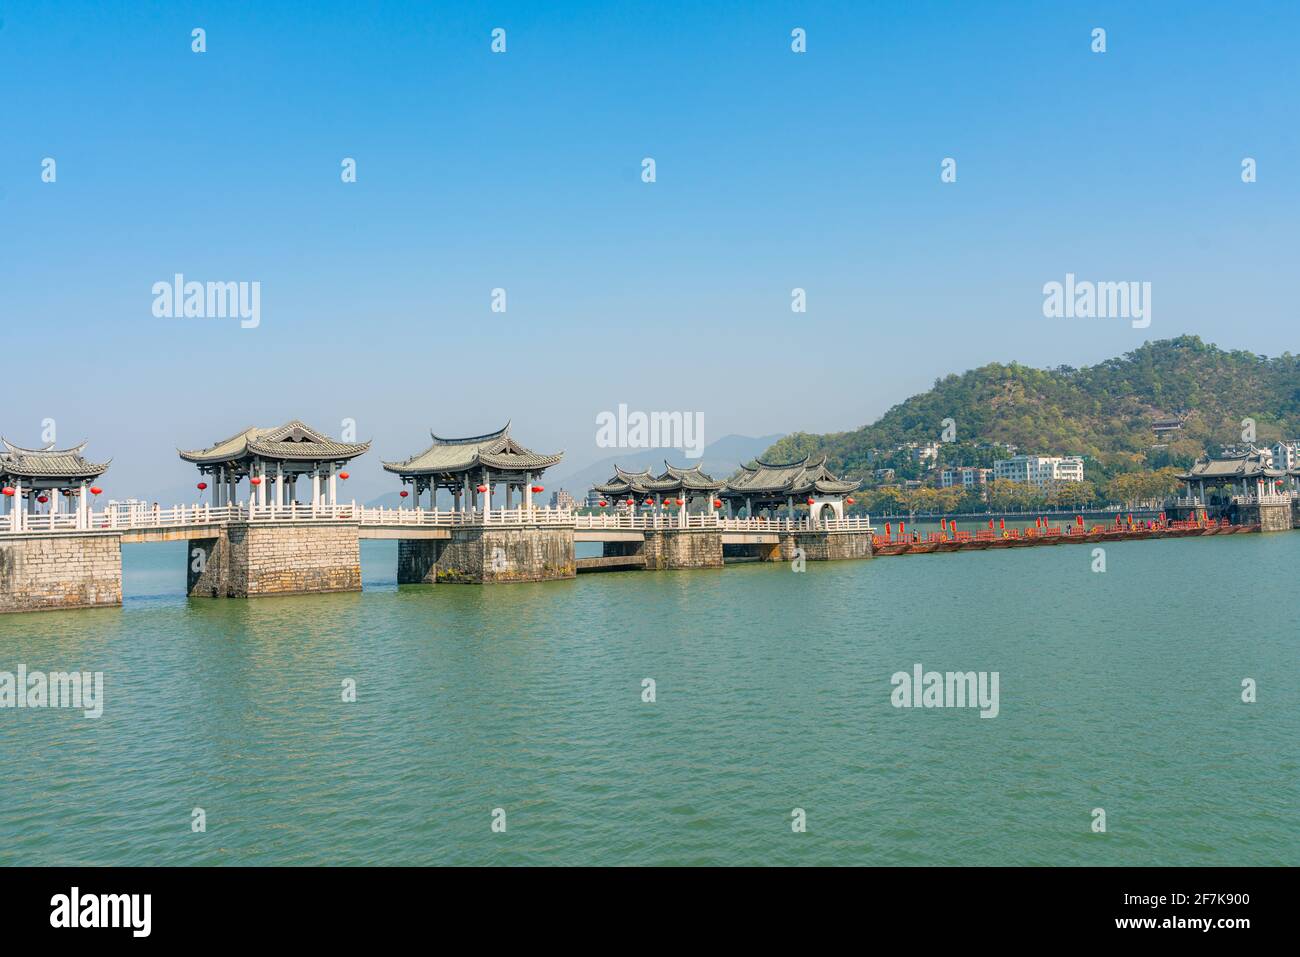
(480, 555)
(50, 571)
(248, 560)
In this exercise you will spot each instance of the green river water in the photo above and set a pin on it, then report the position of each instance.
(1119, 690)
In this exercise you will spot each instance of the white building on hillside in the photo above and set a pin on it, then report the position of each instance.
(1039, 470)
(966, 476)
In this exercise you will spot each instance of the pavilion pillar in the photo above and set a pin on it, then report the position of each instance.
(334, 487)
(279, 485)
(528, 492)
(83, 520)
(17, 511)
(315, 489)
(260, 466)
(487, 496)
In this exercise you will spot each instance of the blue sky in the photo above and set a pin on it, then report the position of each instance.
(522, 171)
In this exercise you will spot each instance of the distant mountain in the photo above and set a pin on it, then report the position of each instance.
(720, 459)
(1105, 412)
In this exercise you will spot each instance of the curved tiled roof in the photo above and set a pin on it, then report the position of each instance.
(672, 480)
(1243, 465)
(494, 450)
(787, 479)
(48, 463)
(294, 441)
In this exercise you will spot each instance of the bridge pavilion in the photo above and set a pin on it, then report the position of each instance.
(47, 476)
(473, 468)
(1247, 475)
(273, 460)
(674, 484)
(766, 485)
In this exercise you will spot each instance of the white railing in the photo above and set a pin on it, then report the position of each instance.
(659, 520)
(1267, 498)
(127, 516)
(522, 515)
(141, 515)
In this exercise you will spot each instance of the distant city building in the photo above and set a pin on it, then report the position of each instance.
(966, 476)
(1286, 455)
(927, 455)
(594, 499)
(563, 500)
(1039, 470)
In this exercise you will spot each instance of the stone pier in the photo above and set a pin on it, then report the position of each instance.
(683, 548)
(57, 570)
(827, 546)
(481, 555)
(1270, 517)
(248, 560)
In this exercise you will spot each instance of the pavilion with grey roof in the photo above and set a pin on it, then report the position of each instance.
(768, 485)
(474, 467)
(680, 485)
(279, 455)
(1249, 474)
(46, 477)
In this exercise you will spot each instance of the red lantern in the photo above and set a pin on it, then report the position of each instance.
(7, 490)
(42, 499)
(403, 493)
(849, 501)
(255, 480)
(537, 490)
(482, 488)
(649, 503)
(680, 502)
(810, 501)
(95, 490)
(202, 486)
(343, 476)
(629, 502)
(603, 504)
(717, 503)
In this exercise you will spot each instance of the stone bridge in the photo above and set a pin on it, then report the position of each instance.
(74, 560)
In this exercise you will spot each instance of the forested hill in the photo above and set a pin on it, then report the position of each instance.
(1104, 411)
